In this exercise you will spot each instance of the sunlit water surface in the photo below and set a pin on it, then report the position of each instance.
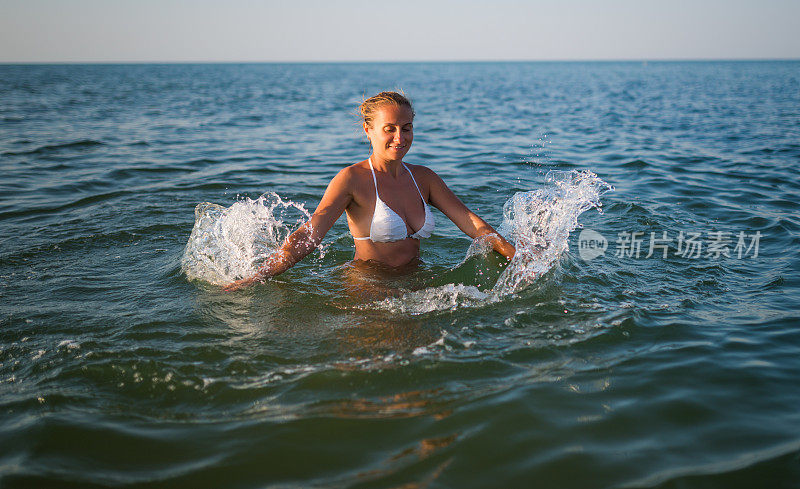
(129, 193)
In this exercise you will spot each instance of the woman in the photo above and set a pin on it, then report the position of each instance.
(386, 200)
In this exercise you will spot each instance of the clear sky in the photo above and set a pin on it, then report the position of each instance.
(410, 30)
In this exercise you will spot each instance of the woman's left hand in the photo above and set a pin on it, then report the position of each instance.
(242, 283)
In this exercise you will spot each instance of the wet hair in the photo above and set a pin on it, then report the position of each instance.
(371, 105)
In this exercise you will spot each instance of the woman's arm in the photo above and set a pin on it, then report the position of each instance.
(308, 236)
(473, 226)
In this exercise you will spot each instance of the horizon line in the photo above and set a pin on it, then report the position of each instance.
(512, 60)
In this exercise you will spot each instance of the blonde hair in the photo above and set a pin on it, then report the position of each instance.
(371, 105)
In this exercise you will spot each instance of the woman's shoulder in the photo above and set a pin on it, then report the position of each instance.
(352, 177)
(355, 170)
(421, 169)
(423, 173)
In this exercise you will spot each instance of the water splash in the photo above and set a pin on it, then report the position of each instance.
(230, 243)
(450, 296)
(538, 222)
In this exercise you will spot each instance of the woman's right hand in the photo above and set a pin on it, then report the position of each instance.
(277, 263)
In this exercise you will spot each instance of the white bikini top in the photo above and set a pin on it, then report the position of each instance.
(387, 225)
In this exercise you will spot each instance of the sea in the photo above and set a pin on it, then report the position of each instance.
(646, 334)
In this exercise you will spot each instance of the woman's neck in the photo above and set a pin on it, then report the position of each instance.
(391, 167)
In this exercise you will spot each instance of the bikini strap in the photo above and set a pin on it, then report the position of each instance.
(415, 184)
(374, 180)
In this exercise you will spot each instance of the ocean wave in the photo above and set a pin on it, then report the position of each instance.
(49, 148)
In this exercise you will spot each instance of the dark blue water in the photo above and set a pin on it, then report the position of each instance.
(116, 370)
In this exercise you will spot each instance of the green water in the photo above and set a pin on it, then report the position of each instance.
(116, 370)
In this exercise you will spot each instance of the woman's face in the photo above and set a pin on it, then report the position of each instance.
(392, 132)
